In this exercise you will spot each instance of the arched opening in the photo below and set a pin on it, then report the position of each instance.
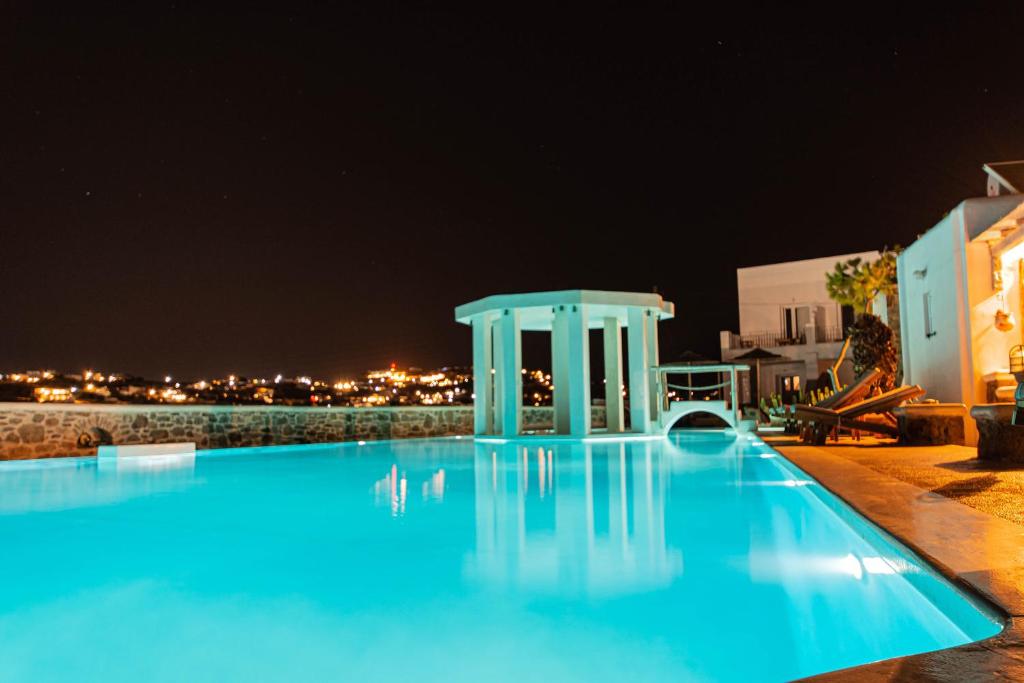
(699, 419)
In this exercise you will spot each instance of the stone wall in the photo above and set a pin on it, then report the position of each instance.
(33, 430)
(998, 438)
(931, 424)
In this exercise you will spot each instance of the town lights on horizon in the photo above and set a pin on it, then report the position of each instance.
(392, 386)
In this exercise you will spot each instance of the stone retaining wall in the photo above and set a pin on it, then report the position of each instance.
(33, 430)
(931, 424)
(998, 438)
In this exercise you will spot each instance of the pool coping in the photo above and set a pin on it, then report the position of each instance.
(981, 554)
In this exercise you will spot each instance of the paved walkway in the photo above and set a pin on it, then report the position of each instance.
(952, 471)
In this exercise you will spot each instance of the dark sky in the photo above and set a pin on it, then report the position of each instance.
(197, 192)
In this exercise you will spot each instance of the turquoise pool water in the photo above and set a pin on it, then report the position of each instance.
(702, 557)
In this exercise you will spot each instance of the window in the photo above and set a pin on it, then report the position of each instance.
(847, 317)
(794, 320)
(929, 331)
(789, 383)
(788, 387)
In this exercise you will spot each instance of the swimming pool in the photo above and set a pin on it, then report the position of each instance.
(699, 557)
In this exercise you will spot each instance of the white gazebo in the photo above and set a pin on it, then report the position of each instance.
(498, 322)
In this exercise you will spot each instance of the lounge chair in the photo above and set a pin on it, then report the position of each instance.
(854, 391)
(819, 420)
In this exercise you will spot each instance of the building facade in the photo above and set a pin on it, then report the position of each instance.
(785, 310)
(960, 296)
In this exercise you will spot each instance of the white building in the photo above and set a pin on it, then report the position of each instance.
(960, 295)
(785, 309)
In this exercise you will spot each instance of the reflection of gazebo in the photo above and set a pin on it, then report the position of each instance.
(757, 354)
(600, 531)
(498, 322)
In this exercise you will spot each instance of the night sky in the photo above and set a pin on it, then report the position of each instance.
(198, 192)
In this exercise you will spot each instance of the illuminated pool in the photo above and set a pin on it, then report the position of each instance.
(703, 557)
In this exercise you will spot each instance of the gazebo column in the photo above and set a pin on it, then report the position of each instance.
(508, 366)
(639, 401)
(654, 382)
(560, 369)
(483, 377)
(613, 375)
(579, 370)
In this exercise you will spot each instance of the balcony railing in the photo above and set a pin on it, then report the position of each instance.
(769, 339)
(763, 339)
(834, 333)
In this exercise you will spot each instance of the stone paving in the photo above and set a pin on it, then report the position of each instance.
(952, 471)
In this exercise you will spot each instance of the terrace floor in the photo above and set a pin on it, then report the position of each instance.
(951, 471)
(953, 511)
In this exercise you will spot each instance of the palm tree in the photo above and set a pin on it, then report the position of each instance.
(857, 282)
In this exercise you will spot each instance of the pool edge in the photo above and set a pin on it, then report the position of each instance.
(1000, 655)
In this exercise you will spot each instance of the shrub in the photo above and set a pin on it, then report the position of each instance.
(873, 347)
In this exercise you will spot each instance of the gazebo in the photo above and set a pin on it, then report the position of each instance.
(498, 322)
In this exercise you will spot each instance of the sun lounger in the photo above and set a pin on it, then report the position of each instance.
(882, 403)
(854, 391)
(833, 372)
(819, 420)
(825, 418)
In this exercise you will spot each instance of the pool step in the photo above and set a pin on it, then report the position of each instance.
(148, 449)
(149, 457)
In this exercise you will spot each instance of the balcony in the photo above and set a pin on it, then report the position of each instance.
(777, 339)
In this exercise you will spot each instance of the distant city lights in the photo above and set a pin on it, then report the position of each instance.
(391, 386)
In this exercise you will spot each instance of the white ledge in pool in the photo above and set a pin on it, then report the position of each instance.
(150, 457)
(148, 449)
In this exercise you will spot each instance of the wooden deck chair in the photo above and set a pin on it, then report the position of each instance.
(854, 391)
(882, 403)
(833, 372)
(819, 421)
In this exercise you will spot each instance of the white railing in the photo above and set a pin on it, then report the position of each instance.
(776, 339)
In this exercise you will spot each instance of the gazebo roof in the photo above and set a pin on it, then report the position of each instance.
(535, 307)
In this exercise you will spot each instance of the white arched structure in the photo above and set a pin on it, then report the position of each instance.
(721, 396)
(498, 322)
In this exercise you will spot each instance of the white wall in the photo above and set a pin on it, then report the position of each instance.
(957, 274)
(934, 266)
(765, 290)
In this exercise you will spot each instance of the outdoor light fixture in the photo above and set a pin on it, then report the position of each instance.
(1004, 319)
